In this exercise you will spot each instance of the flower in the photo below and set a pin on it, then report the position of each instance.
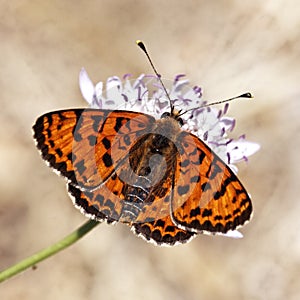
(146, 94)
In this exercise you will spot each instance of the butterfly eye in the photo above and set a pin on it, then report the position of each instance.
(165, 115)
(180, 121)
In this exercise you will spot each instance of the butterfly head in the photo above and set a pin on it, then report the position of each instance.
(174, 114)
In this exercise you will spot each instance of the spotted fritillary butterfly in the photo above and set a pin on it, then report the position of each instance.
(126, 166)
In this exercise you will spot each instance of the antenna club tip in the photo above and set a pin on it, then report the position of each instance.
(247, 95)
(141, 44)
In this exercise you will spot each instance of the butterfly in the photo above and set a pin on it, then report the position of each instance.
(125, 166)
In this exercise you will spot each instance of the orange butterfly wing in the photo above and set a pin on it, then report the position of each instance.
(79, 143)
(208, 196)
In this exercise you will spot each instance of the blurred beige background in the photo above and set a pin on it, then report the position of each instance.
(227, 47)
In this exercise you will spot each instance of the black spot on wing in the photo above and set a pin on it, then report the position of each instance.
(195, 212)
(207, 213)
(106, 143)
(119, 123)
(222, 191)
(59, 152)
(107, 160)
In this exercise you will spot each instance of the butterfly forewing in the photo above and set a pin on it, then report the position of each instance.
(53, 133)
(216, 201)
(79, 143)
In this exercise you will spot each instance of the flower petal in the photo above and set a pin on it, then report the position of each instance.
(97, 103)
(241, 149)
(232, 234)
(229, 123)
(86, 86)
(114, 89)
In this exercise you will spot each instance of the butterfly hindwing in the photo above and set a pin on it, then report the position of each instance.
(162, 232)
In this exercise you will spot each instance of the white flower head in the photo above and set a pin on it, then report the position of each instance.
(145, 94)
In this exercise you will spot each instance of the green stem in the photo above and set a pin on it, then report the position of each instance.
(49, 251)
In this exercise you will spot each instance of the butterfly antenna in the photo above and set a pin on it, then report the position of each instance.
(143, 47)
(245, 95)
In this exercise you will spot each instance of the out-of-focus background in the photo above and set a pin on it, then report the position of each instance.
(227, 47)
